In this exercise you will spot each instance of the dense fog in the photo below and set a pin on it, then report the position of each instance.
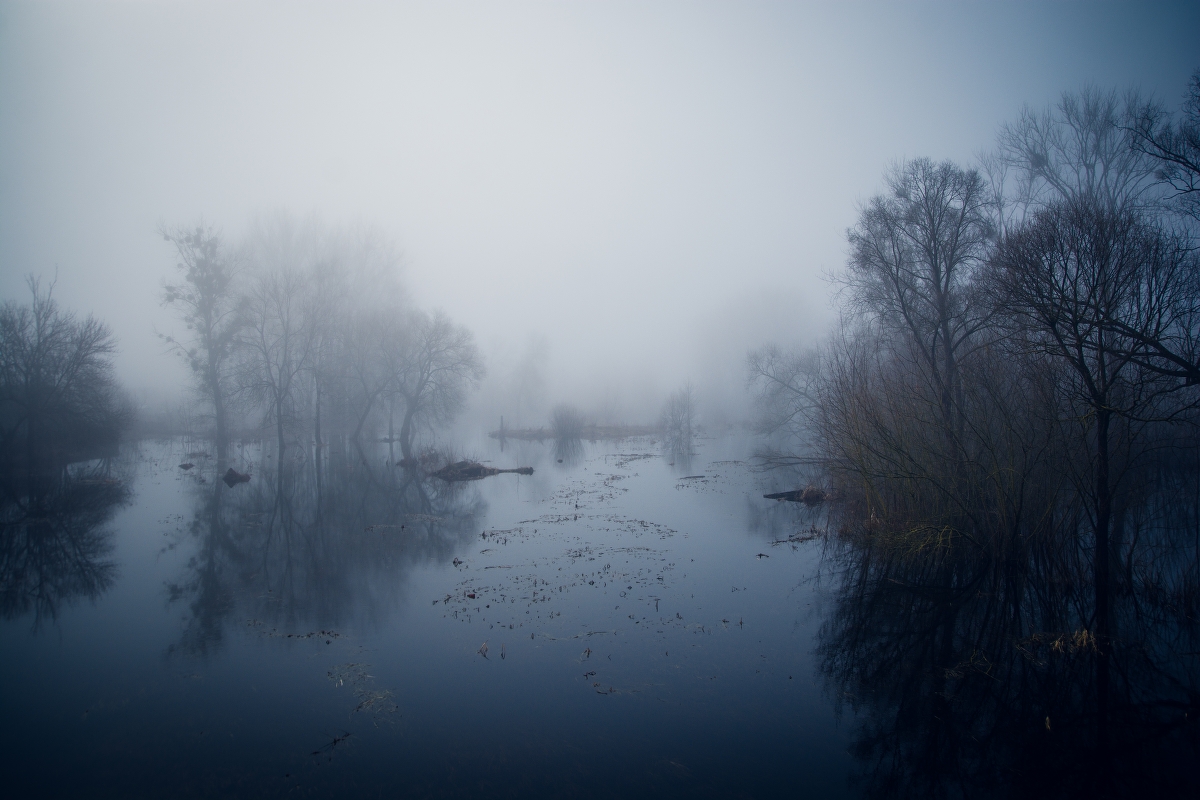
(615, 199)
(609, 399)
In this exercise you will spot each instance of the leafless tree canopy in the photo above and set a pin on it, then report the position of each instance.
(1173, 145)
(1081, 147)
(914, 255)
(207, 301)
(57, 392)
(1016, 371)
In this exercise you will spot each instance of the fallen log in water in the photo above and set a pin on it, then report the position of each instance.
(591, 433)
(809, 495)
(473, 471)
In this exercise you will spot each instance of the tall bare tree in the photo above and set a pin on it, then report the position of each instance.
(913, 255)
(1082, 146)
(277, 344)
(1174, 145)
(432, 368)
(207, 300)
(1074, 284)
(57, 389)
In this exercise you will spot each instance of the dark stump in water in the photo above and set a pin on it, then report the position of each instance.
(473, 471)
(232, 477)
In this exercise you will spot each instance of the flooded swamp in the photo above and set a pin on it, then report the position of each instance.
(622, 622)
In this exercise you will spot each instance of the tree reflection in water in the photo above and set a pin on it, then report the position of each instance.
(319, 542)
(974, 676)
(54, 544)
(568, 450)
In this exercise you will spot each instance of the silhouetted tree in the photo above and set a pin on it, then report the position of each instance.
(913, 255)
(209, 304)
(57, 391)
(1080, 148)
(276, 345)
(432, 367)
(1174, 145)
(785, 386)
(1074, 281)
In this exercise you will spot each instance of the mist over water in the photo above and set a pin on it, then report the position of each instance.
(524, 399)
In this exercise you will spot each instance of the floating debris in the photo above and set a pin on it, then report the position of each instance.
(370, 700)
(473, 471)
(328, 749)
(810, 495)
(800, 537)
(186, 466)
(232, 477)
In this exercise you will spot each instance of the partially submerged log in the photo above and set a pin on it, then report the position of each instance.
(473, 471)
(232, 477)
(809, 495)
(589, 432)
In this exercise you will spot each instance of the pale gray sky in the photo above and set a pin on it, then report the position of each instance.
(642, 191)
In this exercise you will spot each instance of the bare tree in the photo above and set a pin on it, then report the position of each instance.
(913, 255)
(431, 369)
(357, 301)
(277, 344)
(57, 390)
(207, 301)
(1174, 145)
(786, 388)
(678, 418)
(1080, 147)
(367, 339)
(1074, 284)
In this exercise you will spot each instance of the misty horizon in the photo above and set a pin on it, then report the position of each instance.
(627, 196)
(611, 399)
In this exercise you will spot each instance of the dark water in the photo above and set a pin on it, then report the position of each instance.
(166, 635)
(653, 628)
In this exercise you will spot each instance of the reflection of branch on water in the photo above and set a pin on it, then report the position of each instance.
(53, 541)
(961, 668)
(333, 744)
(568, 451)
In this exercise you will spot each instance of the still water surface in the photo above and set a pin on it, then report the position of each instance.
(610, 626)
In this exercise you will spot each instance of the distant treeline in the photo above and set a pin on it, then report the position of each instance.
(308, 333)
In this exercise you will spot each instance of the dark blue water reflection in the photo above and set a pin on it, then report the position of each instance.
(320, 630)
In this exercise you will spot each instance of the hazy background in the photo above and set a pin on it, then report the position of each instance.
(615, 197)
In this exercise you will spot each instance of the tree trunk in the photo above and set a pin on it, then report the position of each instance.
(362, 419)
(279, 427)
(1103, 522)
(317, 418)
(406, 432)
(222, 434)
(391, 428)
